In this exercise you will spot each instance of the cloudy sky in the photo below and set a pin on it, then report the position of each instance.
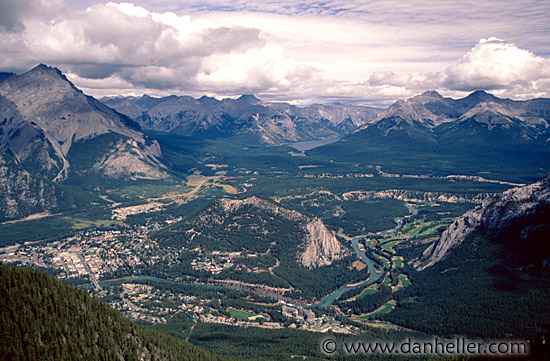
(368, 52)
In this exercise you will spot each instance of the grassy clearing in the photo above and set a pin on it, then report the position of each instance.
(243, 315)
(383, 326)
(79, 223)
(386, 308)
(397, 261)
(370, 243)
(368, 291)
(389, 245)
(385, 262)
(229, 189)
(153, 191)
(403, 282)
(403, 279)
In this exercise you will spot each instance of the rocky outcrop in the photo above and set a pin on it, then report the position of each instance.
(316, 245)
(416, 196)
(515, 214)
(131, 159)
(321, 246)
(44, 115)
(231, 205)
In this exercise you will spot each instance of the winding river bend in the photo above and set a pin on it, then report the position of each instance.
(375, 276)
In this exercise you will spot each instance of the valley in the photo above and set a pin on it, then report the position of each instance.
(206, 221)
(137, 272)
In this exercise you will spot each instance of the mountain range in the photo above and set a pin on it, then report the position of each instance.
(429, 133)
(247, 117)
(54, 132)
(433, 119)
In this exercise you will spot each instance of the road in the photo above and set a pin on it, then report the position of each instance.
(90, 274)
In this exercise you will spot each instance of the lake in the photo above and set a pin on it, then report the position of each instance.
(310, 144)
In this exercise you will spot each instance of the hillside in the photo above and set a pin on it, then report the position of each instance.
(44, 319)
(47, 124)
(519, 219)
(259, 242)
(21, 194)
(487, 274)
(246, 118)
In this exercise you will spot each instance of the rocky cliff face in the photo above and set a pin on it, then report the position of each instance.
(321, 246)
(247, 116)
(416, 196)
(44, 115)
(22, 194)
(518, 217)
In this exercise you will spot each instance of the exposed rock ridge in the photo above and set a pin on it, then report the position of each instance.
(494, 213)
(22, 194)
(417, 196)
(322, 247)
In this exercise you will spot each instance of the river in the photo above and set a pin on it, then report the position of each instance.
(374, 276)
(327, 300)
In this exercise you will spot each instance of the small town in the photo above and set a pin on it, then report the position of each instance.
(91, 258)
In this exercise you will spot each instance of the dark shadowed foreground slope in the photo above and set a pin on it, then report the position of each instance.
(44, 319)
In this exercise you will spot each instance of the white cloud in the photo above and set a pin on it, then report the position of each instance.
(152, 50)
(305, 51)
(496, 65)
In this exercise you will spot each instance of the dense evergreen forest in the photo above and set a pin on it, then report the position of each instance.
(44, 319)
(477, 293)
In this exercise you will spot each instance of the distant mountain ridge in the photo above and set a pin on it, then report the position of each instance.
(247, 117)
(433, 119)
(479, 135)
(44, 116)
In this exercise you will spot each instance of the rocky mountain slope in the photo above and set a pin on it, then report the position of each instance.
(518, 218)
(262, 225)
(21, 194)
(246, 117)
(45, 117)
(45, 319)
(479, 117)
